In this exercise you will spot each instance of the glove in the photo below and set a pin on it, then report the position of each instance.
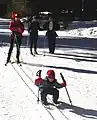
(38, 81)
(63, 84)
(19, 30)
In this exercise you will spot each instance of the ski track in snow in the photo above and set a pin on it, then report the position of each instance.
(22, 74)
(18, 94)
(17, 101)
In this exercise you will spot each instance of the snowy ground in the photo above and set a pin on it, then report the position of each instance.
(18, 94)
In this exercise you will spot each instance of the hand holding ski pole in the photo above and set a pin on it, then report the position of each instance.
(66, 88)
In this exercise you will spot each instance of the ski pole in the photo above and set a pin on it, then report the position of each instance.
(27, 44)
(18, 47)
(39, 75)
(66, 88)
(44, 46)
(38, 96)
(16, 42)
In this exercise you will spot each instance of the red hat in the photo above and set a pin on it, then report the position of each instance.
(51, 74)
(14, 14)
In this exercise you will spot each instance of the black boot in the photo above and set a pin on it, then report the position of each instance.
(35, 52)
(31, 52)
(7, 62)
(45, 102)
(18, 61)
(56, 102)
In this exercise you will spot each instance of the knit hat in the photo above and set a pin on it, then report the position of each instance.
(51, 74)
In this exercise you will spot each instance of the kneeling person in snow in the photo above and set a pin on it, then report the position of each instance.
(49, 85)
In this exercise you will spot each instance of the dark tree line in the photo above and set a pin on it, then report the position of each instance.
(83, 9)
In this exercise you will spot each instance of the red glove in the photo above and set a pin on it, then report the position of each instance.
(63, 84)
(38, 81)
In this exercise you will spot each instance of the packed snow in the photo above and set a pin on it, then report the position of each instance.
(78, 64)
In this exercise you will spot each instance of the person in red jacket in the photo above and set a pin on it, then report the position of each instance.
(49, 85)
(17, 28)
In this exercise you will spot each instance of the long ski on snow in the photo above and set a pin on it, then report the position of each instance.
(52, 106)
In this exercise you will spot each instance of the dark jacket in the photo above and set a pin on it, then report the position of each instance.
(44, 83)
(34, 27)
(51, 34)
(56, 26)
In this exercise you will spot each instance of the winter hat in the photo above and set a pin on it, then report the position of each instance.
(51, 74)
(13, 15)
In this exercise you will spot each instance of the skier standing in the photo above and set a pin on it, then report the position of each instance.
(51, 34)
(17, 28)
(33, 30)
(49, 85)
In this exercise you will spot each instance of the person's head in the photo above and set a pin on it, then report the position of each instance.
(50, 18)
(34, 18)
(51, 75)
(17, 17)
(13, 15)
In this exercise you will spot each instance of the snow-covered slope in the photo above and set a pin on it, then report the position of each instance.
(18, 94)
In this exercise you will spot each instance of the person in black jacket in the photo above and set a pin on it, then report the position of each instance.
(51, 34)
(49, 85)
(33, 30)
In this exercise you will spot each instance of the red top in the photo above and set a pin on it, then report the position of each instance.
(16, 26)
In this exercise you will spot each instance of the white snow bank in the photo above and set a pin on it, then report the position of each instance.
(81, 32)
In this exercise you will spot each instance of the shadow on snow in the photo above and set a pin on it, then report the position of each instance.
(88, 113)
(66, 68)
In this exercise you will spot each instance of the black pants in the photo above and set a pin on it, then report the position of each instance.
(51, 44)
(33, 42)
(15, 38)
(51, 36)
(51, 91)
